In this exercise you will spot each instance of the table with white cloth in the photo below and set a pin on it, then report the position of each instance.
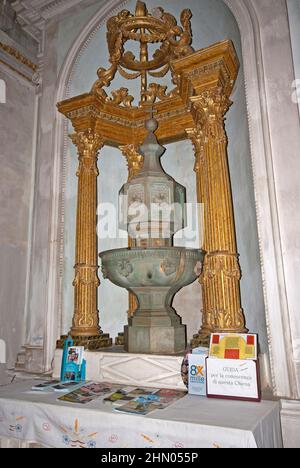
(192, 422)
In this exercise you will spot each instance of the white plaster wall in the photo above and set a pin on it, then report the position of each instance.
(212, 22)
(42, 327)
(294, 21)
(16, 132)
(284, 128)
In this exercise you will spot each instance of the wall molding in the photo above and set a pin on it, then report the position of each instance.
(290, 421)
(32, 16)
(276, 305)
(17, 62)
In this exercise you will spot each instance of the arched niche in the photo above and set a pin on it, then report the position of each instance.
(250, 52)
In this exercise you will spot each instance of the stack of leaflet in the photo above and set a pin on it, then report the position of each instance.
(56, 386)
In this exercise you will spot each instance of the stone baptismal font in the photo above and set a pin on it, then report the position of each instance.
(153, 210)
(193, 109)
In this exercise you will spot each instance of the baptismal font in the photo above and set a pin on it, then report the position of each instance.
(154, 270)
(195, 110)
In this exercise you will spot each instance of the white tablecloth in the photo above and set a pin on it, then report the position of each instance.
(192, 422)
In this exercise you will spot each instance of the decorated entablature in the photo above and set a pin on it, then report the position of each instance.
(193, 109)
(192, 72)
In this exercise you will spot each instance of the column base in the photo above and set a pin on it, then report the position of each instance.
(200, 340)
(120, 340)
(130, 369)
(31, 360)
(92, 343)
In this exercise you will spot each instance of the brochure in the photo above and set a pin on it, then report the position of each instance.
(168, 396)
(144, 405)
(65, 387)
(197, 371)
(127, 394)
(88, 392)
(45, 386)
(138, 407)
(75, 354)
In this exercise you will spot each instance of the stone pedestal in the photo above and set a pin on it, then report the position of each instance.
(116, 366)
(155, 340)
(30, 360)
(155, 328)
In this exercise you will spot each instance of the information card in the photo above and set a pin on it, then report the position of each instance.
(232, 379)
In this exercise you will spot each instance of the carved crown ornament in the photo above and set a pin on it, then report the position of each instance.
(161, 45)
(144, 28)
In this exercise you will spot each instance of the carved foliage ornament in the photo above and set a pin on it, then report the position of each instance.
(88, 144)
(145, 28)
(197, 137)
(134, 159)
(212, 105)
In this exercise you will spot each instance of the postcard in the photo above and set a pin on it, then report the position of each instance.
(127, 394)
(139, 407)
(145, 404)
(88, 392)
(169, 396)
(45, 386)
(65, 387)
(75, 354)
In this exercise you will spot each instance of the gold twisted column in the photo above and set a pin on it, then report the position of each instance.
(85, 327)
(135, 164)
(221, 274)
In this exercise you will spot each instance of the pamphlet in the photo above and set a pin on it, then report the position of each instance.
(197, 371)
(145, 404)
(127, 394)
(88, 392)
(73, 365)
(57, 386)
(168, 396)
(139, 407)
(45, 386)
(65, 387)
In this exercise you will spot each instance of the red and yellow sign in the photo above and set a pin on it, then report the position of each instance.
(233, 346)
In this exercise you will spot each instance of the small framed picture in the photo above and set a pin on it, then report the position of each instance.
(75, 355)
(233, 346)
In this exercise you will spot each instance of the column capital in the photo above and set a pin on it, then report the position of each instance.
(197, 137)
(88, 145)
(88, 142)
(211, 105)
(134, 159)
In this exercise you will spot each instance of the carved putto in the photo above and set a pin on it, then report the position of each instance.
(158, 27)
